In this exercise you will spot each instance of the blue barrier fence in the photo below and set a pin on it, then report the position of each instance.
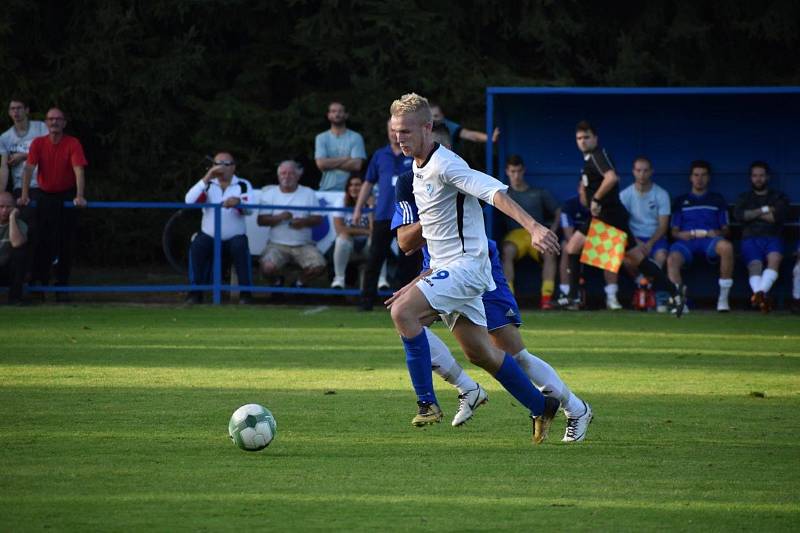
(216, 287)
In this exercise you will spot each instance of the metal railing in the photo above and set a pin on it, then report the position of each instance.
(217, 287)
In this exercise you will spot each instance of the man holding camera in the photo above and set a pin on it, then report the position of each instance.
(220, 185)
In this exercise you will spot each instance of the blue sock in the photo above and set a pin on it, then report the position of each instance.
(514, 380)
(418, 360)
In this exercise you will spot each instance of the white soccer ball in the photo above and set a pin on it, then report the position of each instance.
(252, 427)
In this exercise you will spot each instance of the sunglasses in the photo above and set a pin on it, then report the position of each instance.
(224, 163)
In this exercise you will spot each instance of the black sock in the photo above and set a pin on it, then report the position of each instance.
(574, 275)
(649, 268)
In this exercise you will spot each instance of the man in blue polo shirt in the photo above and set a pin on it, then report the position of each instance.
(386, 164)
(699, 227)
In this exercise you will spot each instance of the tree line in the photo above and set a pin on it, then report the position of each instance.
(152, 87)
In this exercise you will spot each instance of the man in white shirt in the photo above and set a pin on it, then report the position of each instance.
(14, 144)
(446, 191)
(220, 185)
(339, 151)
(290, 237)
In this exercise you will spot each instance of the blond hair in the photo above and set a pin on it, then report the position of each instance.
(412, 103)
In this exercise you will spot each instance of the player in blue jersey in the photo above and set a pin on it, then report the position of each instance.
(502, 317)
(699, 227)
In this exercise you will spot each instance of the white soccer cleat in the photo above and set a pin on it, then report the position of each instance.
(722, 304)
(468, 403)
(337, 283)
(612, 304)
(578, 426)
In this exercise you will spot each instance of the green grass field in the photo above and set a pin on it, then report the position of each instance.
(114, 418)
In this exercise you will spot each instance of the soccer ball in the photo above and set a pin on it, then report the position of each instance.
(252, 427)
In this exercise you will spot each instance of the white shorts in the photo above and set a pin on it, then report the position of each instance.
(457, 290)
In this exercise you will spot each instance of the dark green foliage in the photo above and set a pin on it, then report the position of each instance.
(152, 87)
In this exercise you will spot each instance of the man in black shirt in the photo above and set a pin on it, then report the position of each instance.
(761, 211)
(599, 191)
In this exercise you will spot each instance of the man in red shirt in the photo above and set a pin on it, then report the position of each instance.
(61, 179)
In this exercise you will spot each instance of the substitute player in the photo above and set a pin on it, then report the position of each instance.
(502, 317)
(599, 190)
(446, 191)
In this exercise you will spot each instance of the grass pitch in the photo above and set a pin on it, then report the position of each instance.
(115, 419)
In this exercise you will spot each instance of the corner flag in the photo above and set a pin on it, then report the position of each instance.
(604, 247)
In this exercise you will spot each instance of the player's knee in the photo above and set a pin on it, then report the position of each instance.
(268, 269)
(725, 248)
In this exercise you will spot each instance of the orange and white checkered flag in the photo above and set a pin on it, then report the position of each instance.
(604, 247)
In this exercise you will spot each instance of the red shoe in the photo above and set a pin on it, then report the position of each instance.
(546, 303)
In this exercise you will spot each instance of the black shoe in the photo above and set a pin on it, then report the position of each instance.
(364, 307)
(245, 299)
(677, 303)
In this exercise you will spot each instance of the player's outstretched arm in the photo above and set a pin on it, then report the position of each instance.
(542, 238)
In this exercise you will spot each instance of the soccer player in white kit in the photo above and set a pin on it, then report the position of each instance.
(446, 191)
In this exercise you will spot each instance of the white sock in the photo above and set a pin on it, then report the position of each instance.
(611, 289)
(446, 366)
(564, 288)
(341, 255)
(548, 381)
(796, 281)
(755, 283)
(725, 288)
(382, 275)
(767, 279)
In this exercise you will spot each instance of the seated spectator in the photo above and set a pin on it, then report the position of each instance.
(541, 205)
(761, 211)
(338, 151)
(220, 185)
(575, 220)
(699, 227)
(351, 235)
(649, 207)
(290, 239)
(13, 248)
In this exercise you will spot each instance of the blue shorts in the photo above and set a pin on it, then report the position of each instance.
(501, 308)
(660, 244)
(757, 248)
(705, 247)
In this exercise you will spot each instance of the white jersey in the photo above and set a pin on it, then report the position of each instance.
(446, 191)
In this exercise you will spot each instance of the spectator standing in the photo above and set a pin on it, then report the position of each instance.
(541, 205)
(762, 211)
(14, 145)
(220, 185)
(650, 210)
(699, 227)
(386, 165)
(290, 239)
(13, 248)
(352, 234)
(458, 132)
(338, 151)
(61, 178)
